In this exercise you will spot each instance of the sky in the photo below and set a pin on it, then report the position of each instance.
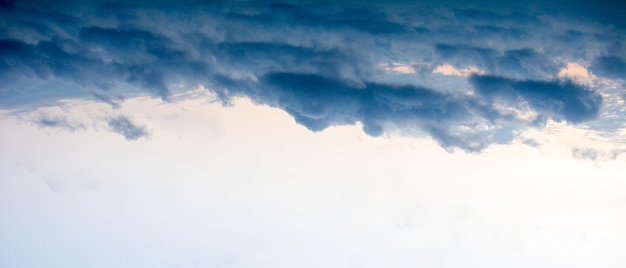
(312, 134)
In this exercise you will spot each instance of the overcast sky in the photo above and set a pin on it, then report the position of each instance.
(312, 134)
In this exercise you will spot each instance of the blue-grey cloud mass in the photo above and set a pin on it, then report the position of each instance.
(327, 63)
(127, 128)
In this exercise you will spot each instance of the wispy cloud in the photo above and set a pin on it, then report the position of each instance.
(49, 121)
(123, 126)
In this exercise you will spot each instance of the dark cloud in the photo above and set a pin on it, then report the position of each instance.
(560, 100)
(525, 63)
(491, 31)
(127, 128)
(613, 67)
(604, 11)
(262, 57)
(464, 55)
(318, 102)
(516, 63)
(336, 16)
(321, 62)
(45, 60)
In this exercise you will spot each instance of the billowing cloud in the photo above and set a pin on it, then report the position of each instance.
(379, 65)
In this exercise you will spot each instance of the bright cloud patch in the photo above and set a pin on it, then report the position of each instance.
(448, 69)
(578, 73)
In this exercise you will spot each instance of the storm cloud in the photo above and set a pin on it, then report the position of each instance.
(322, 64)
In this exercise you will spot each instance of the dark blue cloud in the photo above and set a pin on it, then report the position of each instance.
(321, 62)
(263, 57)
(332, 16)
(464, 55)
(613, 67)
(318, 102)
(516, 63)
(561, 100)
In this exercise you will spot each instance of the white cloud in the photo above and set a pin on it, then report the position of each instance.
(584, 143)
(447, 69)
(397, 67)
(578, 73)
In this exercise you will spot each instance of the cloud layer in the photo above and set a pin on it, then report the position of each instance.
(322, 63)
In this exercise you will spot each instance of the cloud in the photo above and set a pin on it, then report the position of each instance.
(577, 73)
(318, 102)
(455, 121)
(612, 67)
(516, 63)
(366, 63)
(127, 128)
(594, 154)
(556, 99)
(49, 121)
(448, 69)
(398, 68)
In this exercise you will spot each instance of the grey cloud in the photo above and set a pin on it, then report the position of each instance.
(595, 154)
(260, 58)
(468, 55)
(336, 16)
(49, 121)
(114, 101)
(318, 102)
(515, 63)
(557, 99)
(531, 142)
(320, 62)
(127, 128)
(120, 124)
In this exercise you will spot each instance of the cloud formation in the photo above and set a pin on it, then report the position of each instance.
(325, 65)
(559, 100)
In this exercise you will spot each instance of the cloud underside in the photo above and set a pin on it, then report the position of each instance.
(469, 122)
(322, 64)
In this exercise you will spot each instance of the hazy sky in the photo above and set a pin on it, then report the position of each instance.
(312, 134)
